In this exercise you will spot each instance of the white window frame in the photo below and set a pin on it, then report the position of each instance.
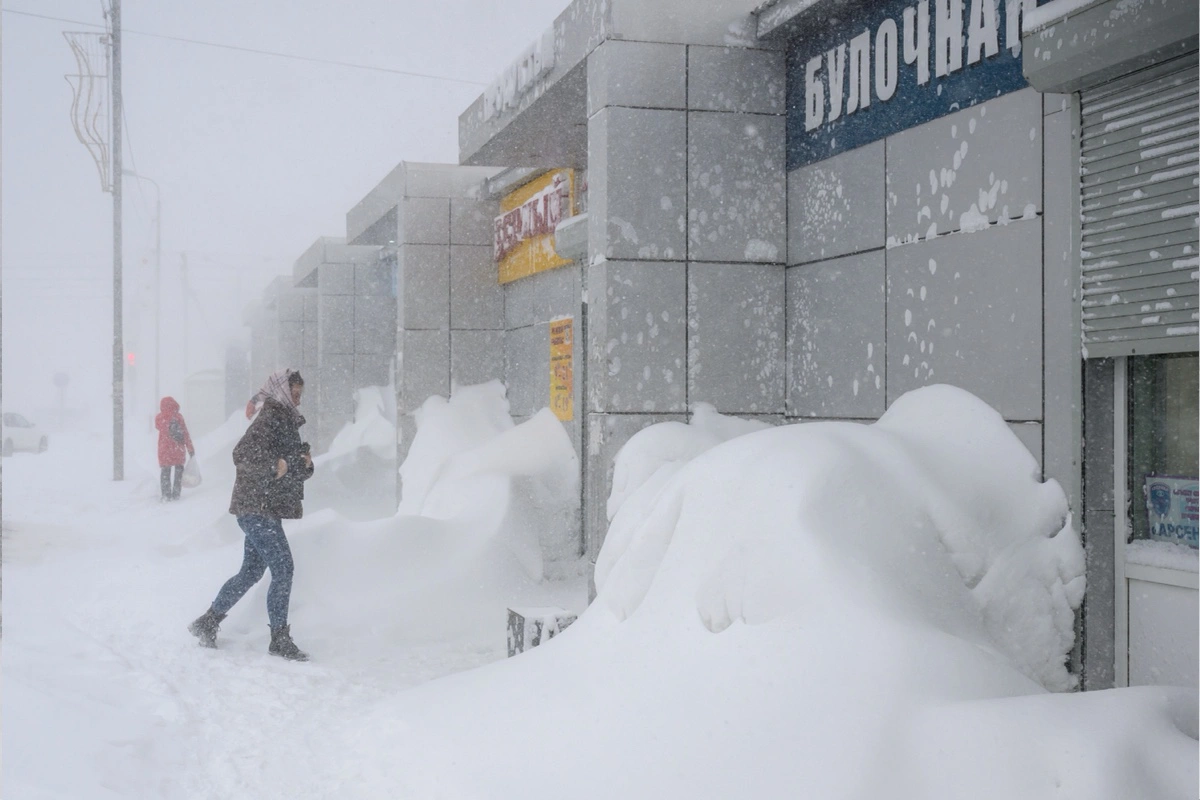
(1123, 526)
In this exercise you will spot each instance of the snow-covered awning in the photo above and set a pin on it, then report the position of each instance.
(777, 19)
(1068, 45)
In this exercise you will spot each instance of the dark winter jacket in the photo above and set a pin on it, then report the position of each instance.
(274, 434)
(173, 437)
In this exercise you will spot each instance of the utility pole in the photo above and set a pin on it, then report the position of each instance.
(118, 365)
(96, 114)
(183, 281)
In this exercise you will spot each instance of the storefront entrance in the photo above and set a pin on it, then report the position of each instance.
(1156, 465)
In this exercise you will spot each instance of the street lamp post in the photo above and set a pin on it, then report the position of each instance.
(99, 58)
(118, 362)
(157, 276)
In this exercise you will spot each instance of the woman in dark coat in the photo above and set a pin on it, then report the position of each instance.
(272, 465)
(174, 445)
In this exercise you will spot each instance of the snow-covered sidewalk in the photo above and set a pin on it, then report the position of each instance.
(107, 695)
(826, 610)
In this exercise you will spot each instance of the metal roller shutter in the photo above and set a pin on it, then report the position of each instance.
(1140, 179)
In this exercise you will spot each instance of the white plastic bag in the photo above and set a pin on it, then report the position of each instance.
(191, 474)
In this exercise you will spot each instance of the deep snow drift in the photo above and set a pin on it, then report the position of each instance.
(463, 545)
(827, 610)
(107, 696)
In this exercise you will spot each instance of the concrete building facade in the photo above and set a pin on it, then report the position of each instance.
(801, 210)
(432, 228)
(347, 338)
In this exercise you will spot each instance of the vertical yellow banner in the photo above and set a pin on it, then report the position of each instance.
(562, 369)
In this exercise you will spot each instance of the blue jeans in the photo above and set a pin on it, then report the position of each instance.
(266, 546)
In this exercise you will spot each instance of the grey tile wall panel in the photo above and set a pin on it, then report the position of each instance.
(527, 369)
(979, 165)
(837, 338)
(543, 296)
(372, 370)
(645, 218)
(967, 310)
(424, 220)
(476, 296)
(476, 357)
(736, 79)
(637, 74)
(335, 279)
(737, 203)
(1030, 434)
(291, 342)
(373, 278)
(836, 206)
(736, 337)
(424, 368)
(336, 324)
(374, 324)
(291, 305)
(336, 385)
(424, 287)
(637, 336)
(1054, 103)
(311, 346)
(471, 221)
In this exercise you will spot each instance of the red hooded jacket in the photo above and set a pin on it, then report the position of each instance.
(171, 452)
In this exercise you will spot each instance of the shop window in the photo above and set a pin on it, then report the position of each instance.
(1164, 454)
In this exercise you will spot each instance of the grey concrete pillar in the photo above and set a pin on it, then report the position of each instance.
(687, 243)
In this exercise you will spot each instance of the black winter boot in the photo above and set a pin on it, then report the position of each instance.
(282, 645)
(205, 627)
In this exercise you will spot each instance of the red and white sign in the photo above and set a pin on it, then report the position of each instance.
(537, 216)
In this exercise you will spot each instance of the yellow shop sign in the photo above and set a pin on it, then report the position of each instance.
(562, 368)
(523, 234)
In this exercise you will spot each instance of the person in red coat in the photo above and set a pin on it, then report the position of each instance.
(173, 442)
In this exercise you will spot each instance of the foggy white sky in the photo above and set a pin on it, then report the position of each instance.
(256, 157)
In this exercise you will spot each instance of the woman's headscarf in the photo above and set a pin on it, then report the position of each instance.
(277, 387)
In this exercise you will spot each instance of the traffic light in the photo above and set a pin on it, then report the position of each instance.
(131, 359)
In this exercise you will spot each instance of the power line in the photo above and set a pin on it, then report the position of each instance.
(257, 51)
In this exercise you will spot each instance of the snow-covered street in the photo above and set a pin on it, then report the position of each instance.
(742, 642)
(107, 695)
(600, 400)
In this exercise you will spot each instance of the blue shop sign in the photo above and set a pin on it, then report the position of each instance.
(884, 67)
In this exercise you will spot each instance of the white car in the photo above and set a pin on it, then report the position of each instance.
(21, 434)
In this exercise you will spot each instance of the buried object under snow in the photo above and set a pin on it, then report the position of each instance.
(828, 610)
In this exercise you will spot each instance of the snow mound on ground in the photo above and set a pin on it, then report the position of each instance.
(935, 510)
(470, 462)
(369, 429)
(661, 450)
(393, 583)
(485, 500)
(356, 476)
(822, 610)
(1119, 743)
(447, 427)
